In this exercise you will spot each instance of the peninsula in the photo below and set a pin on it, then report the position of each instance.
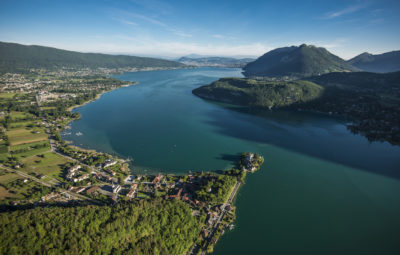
(312, 79)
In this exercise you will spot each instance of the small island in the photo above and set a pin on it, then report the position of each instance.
(250, 162)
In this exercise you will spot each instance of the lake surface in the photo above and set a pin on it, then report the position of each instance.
(321, 190)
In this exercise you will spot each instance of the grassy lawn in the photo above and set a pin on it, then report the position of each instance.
(3, 148)
(20, 116)
(141, 194)
(20, 124)
(49, 165)
(4, 193)
(33, 152)
(30, 150)
(24, 135)
(44, 108)
(6, 177)
(7, 95)
(27, 145)
(3, 156)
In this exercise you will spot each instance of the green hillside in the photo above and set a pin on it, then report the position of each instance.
(296, 62)
(381, 63)
(18, 58)
(255, 93)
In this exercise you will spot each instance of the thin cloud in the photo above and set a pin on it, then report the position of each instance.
(345, 11)
(152, 21)
(127, 22)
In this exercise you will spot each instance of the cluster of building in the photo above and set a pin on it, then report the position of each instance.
(73, 171)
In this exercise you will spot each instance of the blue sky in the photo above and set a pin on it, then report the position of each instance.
(179, 27)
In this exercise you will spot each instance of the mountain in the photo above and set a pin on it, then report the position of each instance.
(215, 61)
(296, 62)
(381, 63)
(16, 57)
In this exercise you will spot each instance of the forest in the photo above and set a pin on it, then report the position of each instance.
(260, 93)
(143, 227)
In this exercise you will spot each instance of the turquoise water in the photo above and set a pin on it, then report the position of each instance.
(322, 190)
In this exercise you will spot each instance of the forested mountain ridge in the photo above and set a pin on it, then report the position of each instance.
(297, 62)
(18, 58)
(380, 63)
(382, 82)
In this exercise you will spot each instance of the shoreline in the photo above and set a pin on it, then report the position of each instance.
(71, 108)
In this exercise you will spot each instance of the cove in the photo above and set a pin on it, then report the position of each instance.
(321, 190)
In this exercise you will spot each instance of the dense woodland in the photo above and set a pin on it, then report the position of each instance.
(260, 93)
(143, 227)
(217, 190)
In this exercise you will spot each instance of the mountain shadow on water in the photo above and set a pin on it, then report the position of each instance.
(308, 133)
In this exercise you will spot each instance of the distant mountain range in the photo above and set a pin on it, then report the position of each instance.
(214, 61)
(381, 63)
(16, 58)
(296, 62)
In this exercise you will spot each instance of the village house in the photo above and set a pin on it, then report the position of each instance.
(109, 162)
(72, 171)
(81, 178)
(116, 188)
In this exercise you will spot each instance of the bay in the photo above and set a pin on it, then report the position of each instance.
(322, 190)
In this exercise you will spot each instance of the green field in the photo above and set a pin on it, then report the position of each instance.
(32, 152)
(50, 164)
(27, 145)
(3, 148)
(20, 124)
(3, 151)
(7, 95)
(45, 108)
(12, 187)
(25, 135)
(5, 179)
(20, 115)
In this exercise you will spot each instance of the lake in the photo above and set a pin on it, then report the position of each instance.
(321, 190)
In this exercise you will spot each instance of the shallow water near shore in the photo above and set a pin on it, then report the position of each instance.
(322, 190)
